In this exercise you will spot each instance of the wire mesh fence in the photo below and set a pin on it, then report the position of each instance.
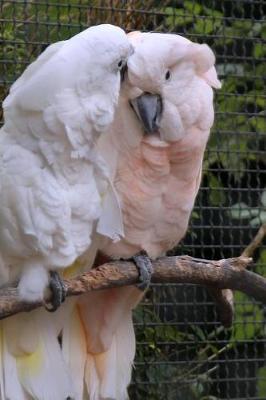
(182, 351)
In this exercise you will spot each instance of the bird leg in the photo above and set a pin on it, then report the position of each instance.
(58, 290)
(145, 268)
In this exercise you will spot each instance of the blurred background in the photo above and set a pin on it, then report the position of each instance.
(182, 350)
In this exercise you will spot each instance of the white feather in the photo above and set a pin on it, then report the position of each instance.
(52, 181)
(74, 349)
(52, 186)
(33, 366)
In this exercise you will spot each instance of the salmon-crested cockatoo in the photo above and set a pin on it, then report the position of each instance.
(155, 149)
(54, 192)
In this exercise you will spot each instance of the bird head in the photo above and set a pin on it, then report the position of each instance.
(169, 84)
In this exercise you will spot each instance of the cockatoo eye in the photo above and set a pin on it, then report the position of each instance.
(120, 64)
(167, 75)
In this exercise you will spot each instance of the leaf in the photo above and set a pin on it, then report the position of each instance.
(261, 263)
(249, 319)
(242, 211)
(194, 7)
(217, 195)
(212, 12)
(177, 17)
(258, 122)
(204, 26)
(259, 220)
(198, 332)
(262, 259)
(259, 50)
(243, 26)
(197, 387)
(230, 68)
(263, 198)
(261, 376)
(256, 29)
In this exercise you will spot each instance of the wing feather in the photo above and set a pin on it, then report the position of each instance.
(38, 70)
(34, 213)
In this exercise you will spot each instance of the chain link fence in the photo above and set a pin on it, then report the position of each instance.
(182, 351)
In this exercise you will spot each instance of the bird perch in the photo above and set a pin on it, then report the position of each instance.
(220, 277)
(228, 273)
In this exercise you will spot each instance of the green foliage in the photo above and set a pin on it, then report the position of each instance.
(159, 363)
(248, 319)
(261, 263)
(216, 194)
(193, 14)
(262, 382)
(28, 27)
(255, 216)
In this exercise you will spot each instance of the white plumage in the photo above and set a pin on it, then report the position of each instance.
(52, 180)
(53, 193)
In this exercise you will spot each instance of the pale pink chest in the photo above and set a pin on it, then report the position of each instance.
(157, 188)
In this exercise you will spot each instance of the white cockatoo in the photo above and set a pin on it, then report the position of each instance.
(54, 188)
(155, 149)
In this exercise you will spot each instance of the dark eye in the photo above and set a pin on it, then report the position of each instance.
(167, 75)
(120, 64)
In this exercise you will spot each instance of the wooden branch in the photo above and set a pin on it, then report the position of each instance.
(224, 298)
(223, 274)
(256, 242)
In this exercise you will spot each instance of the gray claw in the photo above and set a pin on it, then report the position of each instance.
(58, 290)
(145, 268)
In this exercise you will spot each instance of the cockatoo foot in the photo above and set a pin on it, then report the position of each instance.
(145, 268)
(58, 290)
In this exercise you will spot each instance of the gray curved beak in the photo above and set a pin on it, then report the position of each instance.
(148, 108)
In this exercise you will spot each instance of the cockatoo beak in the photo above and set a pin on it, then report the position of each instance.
(148, 108)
